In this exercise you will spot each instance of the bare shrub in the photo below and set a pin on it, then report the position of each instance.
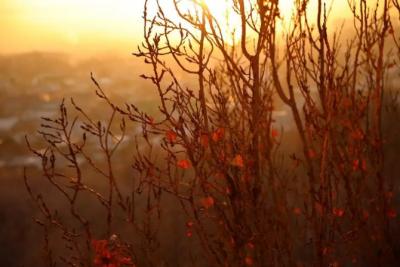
(247, 193)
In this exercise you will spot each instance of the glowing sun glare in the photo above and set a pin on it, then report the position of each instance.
(230, 22)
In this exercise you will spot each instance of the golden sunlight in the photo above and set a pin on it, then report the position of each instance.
(73, 26)
(77, 26)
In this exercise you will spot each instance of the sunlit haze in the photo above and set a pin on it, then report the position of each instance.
(69, 25)
(82, 27)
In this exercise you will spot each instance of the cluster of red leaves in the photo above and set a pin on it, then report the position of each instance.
(109, 256)
(216, 136)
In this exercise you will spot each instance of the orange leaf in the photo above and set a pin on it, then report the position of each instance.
(183, 164)
(171, 136)
(238, 161)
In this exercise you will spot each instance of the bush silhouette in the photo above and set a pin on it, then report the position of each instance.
(219, 177)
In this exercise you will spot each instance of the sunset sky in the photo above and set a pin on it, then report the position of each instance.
(70, 25)
(75, 26)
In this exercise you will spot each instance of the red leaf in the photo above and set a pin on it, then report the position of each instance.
(274, 133)
(249, 261)
(189, 233)
(218, 134)
(238, 161)
(391, 213)
(207, 202)
(356, 164)
(228, 191)
(183, 164)
(171, 136)
(364, 165)
(311, 153)
(338, 212)
(297, 211)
